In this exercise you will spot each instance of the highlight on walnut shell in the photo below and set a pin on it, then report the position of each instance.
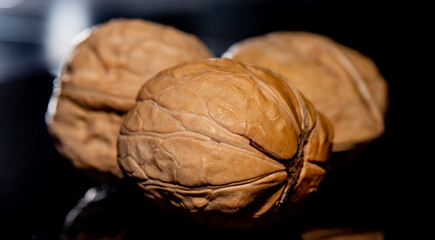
(99, 82)
(340, 82)
(226, 144)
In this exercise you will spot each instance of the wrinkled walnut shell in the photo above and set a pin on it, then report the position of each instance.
(227, 144)
(340, 82)
(99, 83)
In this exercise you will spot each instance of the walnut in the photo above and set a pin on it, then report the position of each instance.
(227, 144)
(99, 83)
(340, 82)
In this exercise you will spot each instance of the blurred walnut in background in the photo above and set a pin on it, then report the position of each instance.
(99, 83)
(227, 144)
(340, 82)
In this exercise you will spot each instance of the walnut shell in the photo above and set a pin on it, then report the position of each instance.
(227, 144)
(340, 82)
(99, 83)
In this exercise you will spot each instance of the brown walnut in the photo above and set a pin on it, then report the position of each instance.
(227, 144)
(340, 82)
(99, 83)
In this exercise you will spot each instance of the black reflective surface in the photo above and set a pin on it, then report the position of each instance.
(38, 187)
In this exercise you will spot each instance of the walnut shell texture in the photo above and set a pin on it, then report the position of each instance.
(340, 82)
(99, 82)
(227, 144)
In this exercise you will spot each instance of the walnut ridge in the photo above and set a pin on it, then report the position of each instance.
(227, 144)
(340, 82)
(99, 83)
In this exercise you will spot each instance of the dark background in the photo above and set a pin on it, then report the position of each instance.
(377, 190)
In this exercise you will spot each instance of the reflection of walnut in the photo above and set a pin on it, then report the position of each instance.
(100, 81)
(340, 82)
(226, 143)
(341, 233)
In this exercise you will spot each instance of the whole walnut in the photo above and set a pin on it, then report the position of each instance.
(99, 83)
(340, 82)
(227, 144)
